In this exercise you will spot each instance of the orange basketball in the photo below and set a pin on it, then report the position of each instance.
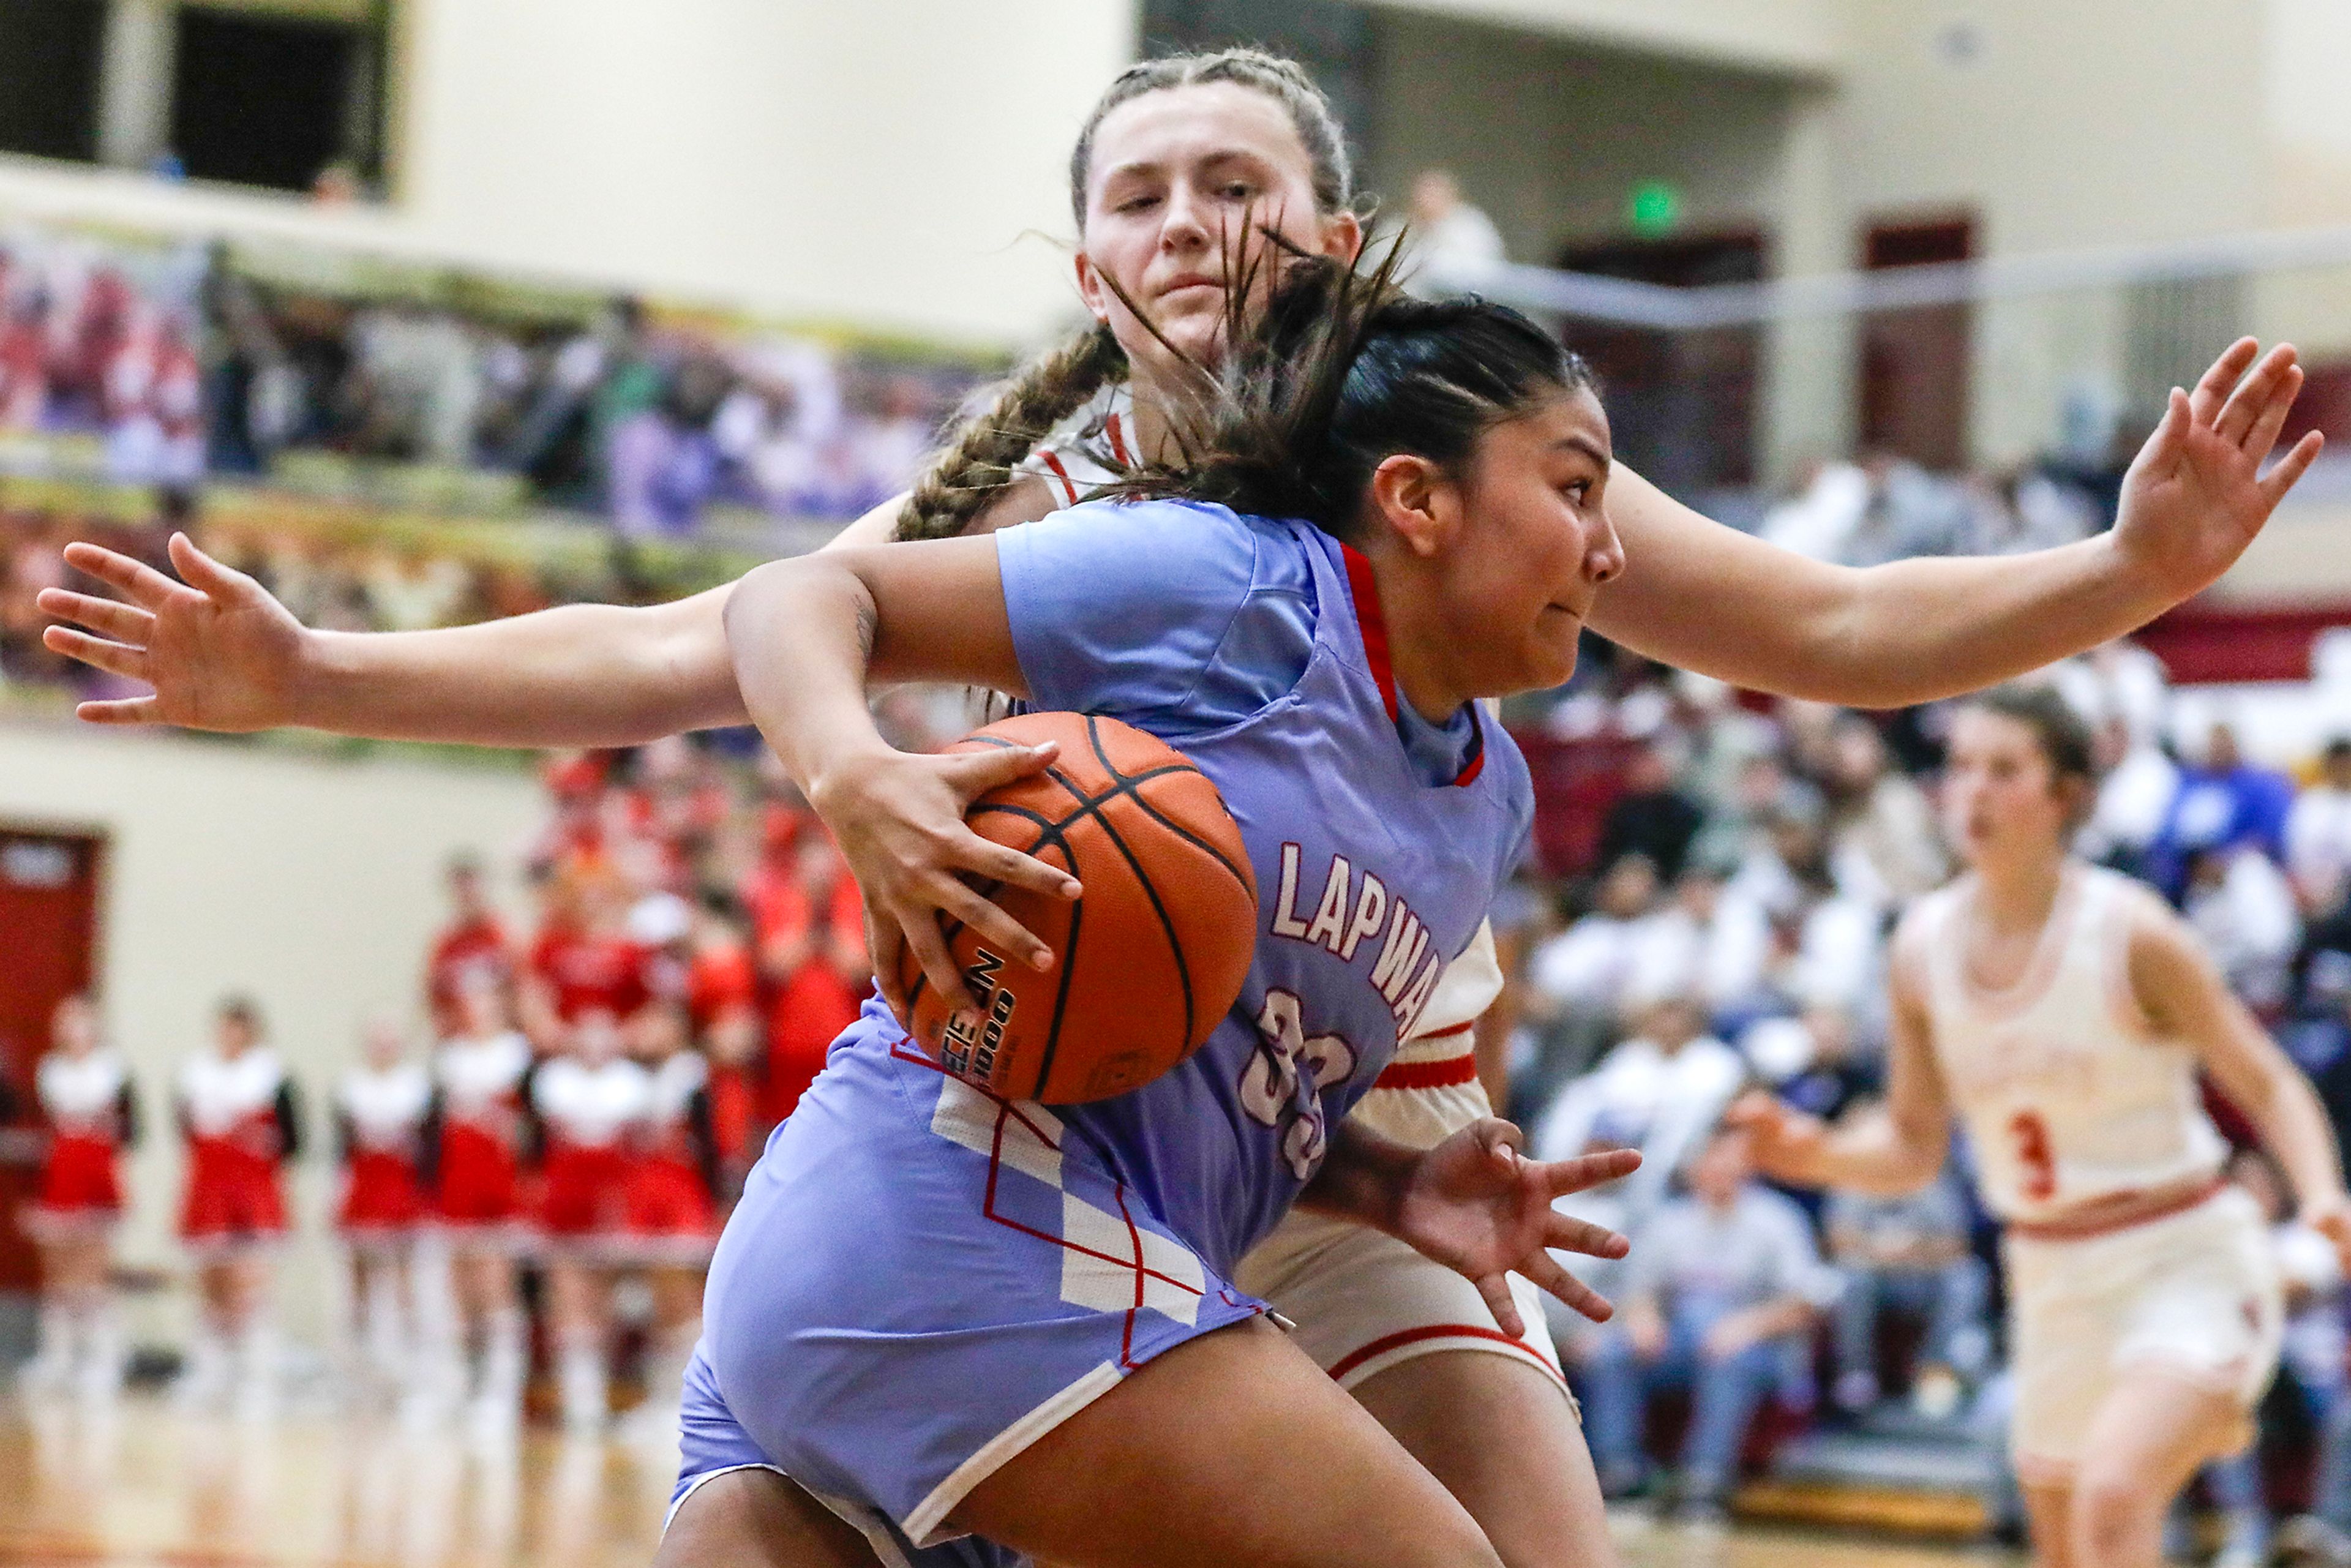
(1147, 960)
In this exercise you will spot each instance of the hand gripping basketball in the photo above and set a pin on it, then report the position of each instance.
(1151, 955)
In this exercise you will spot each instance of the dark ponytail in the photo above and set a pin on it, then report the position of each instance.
(1342, 371)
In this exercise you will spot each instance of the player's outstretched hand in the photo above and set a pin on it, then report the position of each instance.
(899, 820)
(1475, 1204)
(221, 652)
(2196, 495)
(1787, 1140)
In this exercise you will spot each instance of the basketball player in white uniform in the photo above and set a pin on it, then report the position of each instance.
(2062, 1013)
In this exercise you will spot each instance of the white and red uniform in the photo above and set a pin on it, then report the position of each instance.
(238, 1117)
(380, 1117)
(2083, 1119)
(92, 1118)
(673, 1195)
(468, 955)
(1363, 1301)
(589, 1119)
(477, 1088)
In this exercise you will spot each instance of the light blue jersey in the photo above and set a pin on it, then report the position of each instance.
(922, 1279)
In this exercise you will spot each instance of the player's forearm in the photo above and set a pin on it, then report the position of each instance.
(1874, 1154)
(1708, 598)
(2293, 1128)
(1362, 1178)
(811, 708)
(581, 675)
(1916, 631)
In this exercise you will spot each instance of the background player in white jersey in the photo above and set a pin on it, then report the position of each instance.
(2062, 1012)
(1177, 158)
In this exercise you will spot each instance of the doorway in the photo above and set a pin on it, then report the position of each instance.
(1915, 363)
(1681, 404)
(49, 901)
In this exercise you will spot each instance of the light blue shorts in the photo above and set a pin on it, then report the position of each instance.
(922, 1280)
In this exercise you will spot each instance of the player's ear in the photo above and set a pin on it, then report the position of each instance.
(1412, 496)
(1090, 286)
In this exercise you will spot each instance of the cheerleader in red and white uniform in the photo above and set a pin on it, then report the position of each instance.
(380, 1111)
(583, 960)
(673, 1209)
(237, 1113)
(478, 1127)
(85, 1095)
(590, 1104)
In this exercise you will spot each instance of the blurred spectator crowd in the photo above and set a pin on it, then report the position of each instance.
(180, 362)
(1715, 915)
(351, 578)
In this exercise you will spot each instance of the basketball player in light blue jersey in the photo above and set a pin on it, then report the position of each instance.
(962, 1322)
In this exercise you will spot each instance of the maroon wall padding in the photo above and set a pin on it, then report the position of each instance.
(2203, 646)
(1575, 783)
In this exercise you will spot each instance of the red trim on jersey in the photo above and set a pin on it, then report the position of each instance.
(1117, 441)
(1477, 763)
(1448, 1031)
(1397, 1340)
(1054, 463)
(2121, 1212)
(1373, 625)
(1440, 1074)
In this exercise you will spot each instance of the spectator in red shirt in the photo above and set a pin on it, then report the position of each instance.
(472, 950)
(811, 933)
(722, 1000)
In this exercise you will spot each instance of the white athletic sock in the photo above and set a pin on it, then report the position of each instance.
(383, 1329)
(256, 1368)
(505, 1356)
(204, 1370)
(100, 1375)
(580, 1375)
(52, 1357)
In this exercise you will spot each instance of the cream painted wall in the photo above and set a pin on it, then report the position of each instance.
(313, 884)
(1550, 137)
(878, 162)
(2059, 127)
(1798, 36)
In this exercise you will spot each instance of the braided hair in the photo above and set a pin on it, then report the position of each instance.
(986, 450)
(989, 447)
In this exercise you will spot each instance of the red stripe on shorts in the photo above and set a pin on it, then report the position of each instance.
(1403, 1337)
(1445, 1074)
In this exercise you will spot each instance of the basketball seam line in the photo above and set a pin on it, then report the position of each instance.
(1135, 863)
(1129, 786)
(1055, 835)
(1052, 835)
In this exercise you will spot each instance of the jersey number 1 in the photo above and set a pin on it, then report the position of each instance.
(2035, 1161)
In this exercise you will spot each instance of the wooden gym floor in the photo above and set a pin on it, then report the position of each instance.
(148, 1487)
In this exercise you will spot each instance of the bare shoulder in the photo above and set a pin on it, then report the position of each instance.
(2149, 925)
(2170, 978)
(1905, 959)
(1027, 499)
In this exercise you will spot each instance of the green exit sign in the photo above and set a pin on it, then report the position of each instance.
(1655, 207)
